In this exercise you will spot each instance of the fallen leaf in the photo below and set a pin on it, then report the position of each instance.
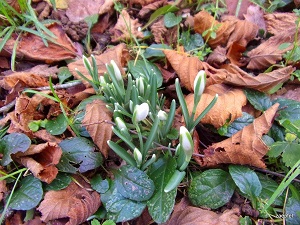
(3, 188)
(96, 120)
(74, 203)
(217, 57)
(235, 54)
(60, 4)
(256, 15)
(79, 10)
(279, 23)
(232, 7)
(227, 108)
(245, 147)
(41, 160)
(118, 53)
(145, 10)
(142, 2)
(262, 82)
(126, 28)
(159, 31)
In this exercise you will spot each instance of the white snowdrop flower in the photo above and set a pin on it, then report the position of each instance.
(140, 112)
(199, 83)
(162, 115)
(117, 70)
(186, 140)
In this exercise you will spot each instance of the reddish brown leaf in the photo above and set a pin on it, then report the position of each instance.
(244, 147)
(217, 57)
(142, 2)
(118, 53)
(228, 106)
(255, 15)
(235, 54)
(279, 23)
(3, 188)
(232, 6)
(73, 203)
(41, 160)
(96, 120)
(150, 7)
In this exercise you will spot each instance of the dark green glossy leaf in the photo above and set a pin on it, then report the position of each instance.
(78, 154)
(61, 181)
(259, 100)
(288, 109)
(290, 152)
(155, 50)
(212, 189)
(161, 204)
(171, 20)
(140, 68)
(292, 210)
(28, 195)
(191, 41)
(239, 124)
(133, 183)
(246, 180)
(99, 185)
(277, 132)
(11, 144)
(57, 126)
(64, 74)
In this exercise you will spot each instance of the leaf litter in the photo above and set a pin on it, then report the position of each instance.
(241, 58)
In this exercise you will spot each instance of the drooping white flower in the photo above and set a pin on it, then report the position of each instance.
(140, 112)
(199, 83)
(120, 123)
(117, 70)
(186, 140)
(137, 155)
(140, 85)
(162, 115)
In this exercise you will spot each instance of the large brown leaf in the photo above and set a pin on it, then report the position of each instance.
(228, 106)
(245, 147)
(74, 203)
(277, 23)
(41, 160)
(96, 120)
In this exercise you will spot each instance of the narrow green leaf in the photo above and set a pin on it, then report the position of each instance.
(155, 50)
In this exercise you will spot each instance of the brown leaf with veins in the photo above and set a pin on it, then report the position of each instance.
(142, 2)
(217, 57)
(118, 53)
(279, 23)
(125, 28)
(96, 120)
(262, 82)
(235, 54)
(41, 160)
(3, 188)
(151, 7)
(227, 108)
(245, 147)
(74, 203)
(256, 15)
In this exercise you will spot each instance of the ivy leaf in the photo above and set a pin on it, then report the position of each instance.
(133, 183)
(57, 126)
(171, 20)
(161, 204)
(290, 152)
(78, 154)
(246, 180)
(28, 195)
(259, 100)
(145, 69)
(213, 189)
(11, 144)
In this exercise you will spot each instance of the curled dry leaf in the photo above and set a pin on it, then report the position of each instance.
(159, 31)
(217, 57)
(125, 28)
(142, 2)
(73, 203)
(277, 23)
(244, 147)
(31, 47)
(41, 160)
(232, 5)
(256, 15)
(151, 7)
(118, 53)
(228, 106)
(235, 54)
(96, 120)
(3, 188)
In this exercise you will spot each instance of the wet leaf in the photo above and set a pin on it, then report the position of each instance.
(259, 100)
(57, 126)
(28, 195)
(288, 109)
(171, 20)
(212, 189)
(61, 181)
(237, 125)
(290, 152)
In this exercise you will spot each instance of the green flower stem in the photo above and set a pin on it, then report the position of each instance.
(170, 119)
(125, 139)
(151, 136)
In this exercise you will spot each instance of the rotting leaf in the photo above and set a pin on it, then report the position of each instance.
(74, 203)
(228, 106)
(97, 120)
(245, 147)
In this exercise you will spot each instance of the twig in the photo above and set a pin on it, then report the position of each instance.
(59, 86)
(7, 107)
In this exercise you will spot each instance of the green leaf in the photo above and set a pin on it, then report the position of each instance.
(28, 195)
(99, 185)
(290, 152)
(133, 183)
(284, 45)
(239, 124)
(245, 221)
(259, 100)
(11, 144)
(80, 152)
(213, 189)
(246, 180)
(161, 204)
(292, 209)
(288, 109)
(145, 69)
(191, 41)
(61, 181)
(155, 50)
(171, 20)
(64, 74)
(122, 209)
(277, 132)
(109, 222)
(57, 126)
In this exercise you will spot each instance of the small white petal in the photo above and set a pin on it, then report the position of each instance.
(117, 70)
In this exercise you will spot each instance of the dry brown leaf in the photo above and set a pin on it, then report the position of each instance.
(41, 160)
(227, 108)
(31, 47)
(34, 77)
(142, 2)
(279, 23)
(3, 188)
(256, 15)
(232, 6)
(244, 147)
(151, 7)
(73, 203)
(217, 57)
(125, 28)
(118, 53)
(262, 82)
(96, 120)
(235, 54)
(159, 31)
